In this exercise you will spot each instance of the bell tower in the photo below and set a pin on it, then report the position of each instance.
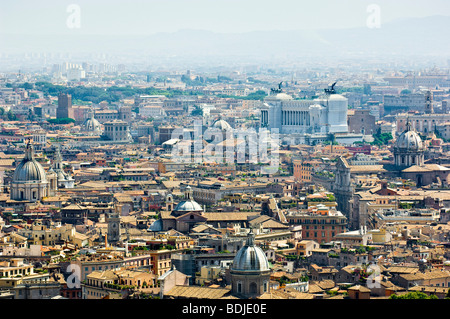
(169, 203)
(429, 103)
(113, 221)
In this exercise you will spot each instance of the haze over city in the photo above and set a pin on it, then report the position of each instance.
(224, 157)
(224, 31)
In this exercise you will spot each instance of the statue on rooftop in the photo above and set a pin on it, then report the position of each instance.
(279, 90)
(331, 89)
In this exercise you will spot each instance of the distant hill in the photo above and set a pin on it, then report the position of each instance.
(421, 36)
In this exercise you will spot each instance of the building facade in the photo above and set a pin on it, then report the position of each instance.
(324, 115)
(118, 131)
(319, 224)
(64, 109)
(30, 182)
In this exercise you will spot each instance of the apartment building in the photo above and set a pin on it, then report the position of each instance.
(319, 223)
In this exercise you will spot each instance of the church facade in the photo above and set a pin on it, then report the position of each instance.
(30, 181)
(409, 161)
(250, 270)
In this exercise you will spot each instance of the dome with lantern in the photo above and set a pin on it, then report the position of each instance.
(91, 125)
(30, 182)
(250, 270)
(250, 258)
(188, 204)
(409, 148)
(409, 140)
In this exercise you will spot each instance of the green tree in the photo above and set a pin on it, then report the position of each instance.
(197, 111)
(381, 138)
(61, 121)
(413, 295)
(27, 86)
(258, 95)
(11, 116)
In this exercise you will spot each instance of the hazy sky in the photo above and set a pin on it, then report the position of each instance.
(226, 16)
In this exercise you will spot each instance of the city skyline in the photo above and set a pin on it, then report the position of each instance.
(223, 157)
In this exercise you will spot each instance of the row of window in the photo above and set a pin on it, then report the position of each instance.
(323, 234)
(15, 272)
(95, 294)
(115, 128)
(443, 284)
(313, 221)
(315, 227)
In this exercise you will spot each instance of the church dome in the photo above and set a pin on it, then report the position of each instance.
(91, 124)
(250, 258)
(222, 125)
(189, 204)
(29, 170)
(409, 140)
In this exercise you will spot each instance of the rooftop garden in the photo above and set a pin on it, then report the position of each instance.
(318, 198)
(325, 174)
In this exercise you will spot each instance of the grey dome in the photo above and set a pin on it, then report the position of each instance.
(409, 141)
(250, 258)
(188, 206)
(29, 170)
(222, 125)
(91, 124)
(156, 226)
